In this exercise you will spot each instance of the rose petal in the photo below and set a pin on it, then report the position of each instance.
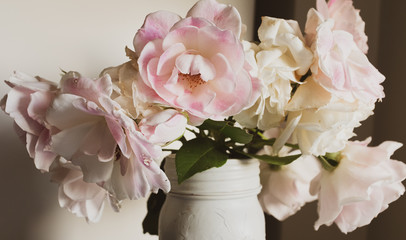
(156, 26)
(223, 16)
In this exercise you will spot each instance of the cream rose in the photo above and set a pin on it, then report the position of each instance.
(280, 58)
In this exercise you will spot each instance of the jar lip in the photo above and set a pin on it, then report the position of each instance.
(215, 195)
(235, 177)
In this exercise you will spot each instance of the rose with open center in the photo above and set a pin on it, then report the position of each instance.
(196, 64)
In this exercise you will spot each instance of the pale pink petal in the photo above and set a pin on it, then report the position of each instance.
(322, 7)
(81, 198)
(119, 136)
(100, 142)
(286, 190)
(242, 88)
(213, 41)
(145, 93)
(197, 102)
(364, 183)
(30, 140)
(192, 21)
(156, 26)
(188, 36)
(223, 16)
(43, 157)
(226, 76)
(91, 89)
(193, 64)
(347, 18)
(63, 113)
(343, 69)
(168, 58)
(18, 100)
(33, 83)
(137, 182)
(151, 51)
(94, 171)
(69, 141)
(38, 106)
(158, 83)
(163, 127)
(314, 19)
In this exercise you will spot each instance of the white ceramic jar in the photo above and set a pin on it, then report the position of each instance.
(217, 204)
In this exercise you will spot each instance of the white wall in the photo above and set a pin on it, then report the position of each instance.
(40, 37)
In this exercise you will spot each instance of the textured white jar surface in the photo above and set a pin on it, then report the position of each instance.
(217, 204)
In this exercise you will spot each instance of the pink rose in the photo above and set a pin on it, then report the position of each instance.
(96, 134)
(342, 69)
(27, 103)
(364, 183)
(346, 18)
(196, 64)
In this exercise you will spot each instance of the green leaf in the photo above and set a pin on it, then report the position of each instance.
(212, 125)
(197, 155)
(236, 134)
(260, 143)
(275, 160)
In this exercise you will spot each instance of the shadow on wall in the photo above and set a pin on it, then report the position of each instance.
(25, 193)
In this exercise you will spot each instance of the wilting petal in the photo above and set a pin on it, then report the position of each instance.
(91, 89)
(18, 100)
(27, 103)
(81, 198)
(43, 156)
(94, 170)
(138, 181)
(63, 114)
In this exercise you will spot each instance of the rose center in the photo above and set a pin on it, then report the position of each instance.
(192, 81)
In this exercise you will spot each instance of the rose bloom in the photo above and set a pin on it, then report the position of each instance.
(340, 65)
(345, 18)
(196, 64)
(364, 183)
(281, 58)
(27, 103)
(320, 122)
(96, 134)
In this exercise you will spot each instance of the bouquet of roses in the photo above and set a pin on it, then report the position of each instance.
(289, 100)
